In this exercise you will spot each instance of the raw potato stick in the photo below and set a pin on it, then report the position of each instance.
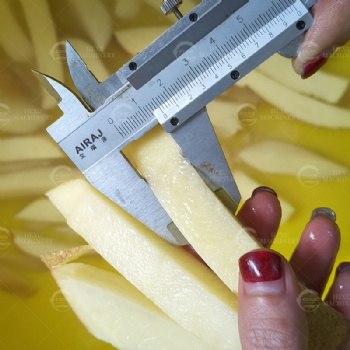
(43, 34)
(178, 283)
(127, 319)
(278, 157)
(34, 181)
(96, 21)
(195, 210)
(134, 40)
(34, 212)
(15, 42)
(28, 148)
(317, 86)
(165, 273)
(301, 107)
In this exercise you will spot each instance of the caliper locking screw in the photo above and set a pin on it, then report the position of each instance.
(171, 6)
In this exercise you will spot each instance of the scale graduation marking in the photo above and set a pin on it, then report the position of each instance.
(189, 82)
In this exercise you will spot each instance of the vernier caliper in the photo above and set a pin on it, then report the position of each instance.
(169, 83)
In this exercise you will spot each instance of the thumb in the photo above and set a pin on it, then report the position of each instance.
(331, 28)
(268, 312)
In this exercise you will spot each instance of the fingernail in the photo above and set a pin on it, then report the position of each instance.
(312, 66)
(261, 272)
(324, 211)
(264, 189)
(343, 267)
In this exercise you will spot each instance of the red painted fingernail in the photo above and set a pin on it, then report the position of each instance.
(260, 266)
(264, 189)
(313, 66)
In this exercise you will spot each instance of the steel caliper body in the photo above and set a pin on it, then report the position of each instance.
(169, 83)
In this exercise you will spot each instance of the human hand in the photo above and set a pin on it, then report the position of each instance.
(331, 29)
(269, 314)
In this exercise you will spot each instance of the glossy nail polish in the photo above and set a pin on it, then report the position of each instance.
(264, 189)
(262, 272)
(312, 66)
(324, 211)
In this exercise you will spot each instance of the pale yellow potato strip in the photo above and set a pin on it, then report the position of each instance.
(301, 107)
(173, 279)
(201, 217)
(134, 40)
(96, 21)
(34, 180)
(44, 38)
(278, 157)
(224, 117)
(41, 210)
(13, 39)
(324, 86)
(125, 317)
(126, 9)
(28, 148)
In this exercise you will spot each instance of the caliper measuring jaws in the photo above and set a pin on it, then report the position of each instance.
(169, 83)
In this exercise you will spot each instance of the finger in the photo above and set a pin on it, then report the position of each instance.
(261, 215)
(269, 316)
(315, 253)
(339, 294)
(331, 28)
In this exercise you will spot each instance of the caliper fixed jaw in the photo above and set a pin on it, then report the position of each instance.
(112, 174)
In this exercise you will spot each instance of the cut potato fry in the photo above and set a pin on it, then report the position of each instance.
(41, 210)
(14, 283)
(316, 86)
(173, 279)
(34, 181)
(279, 157)
(127, 319)
(301, 107)
(96, 21)
(223, 116)
(15, 42)
(44, 38)
(28, 147)
(19, 117)
(134, 40)
(127, 10)
(188, 201)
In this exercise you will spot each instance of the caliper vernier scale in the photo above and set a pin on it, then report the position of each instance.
(169, 83)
